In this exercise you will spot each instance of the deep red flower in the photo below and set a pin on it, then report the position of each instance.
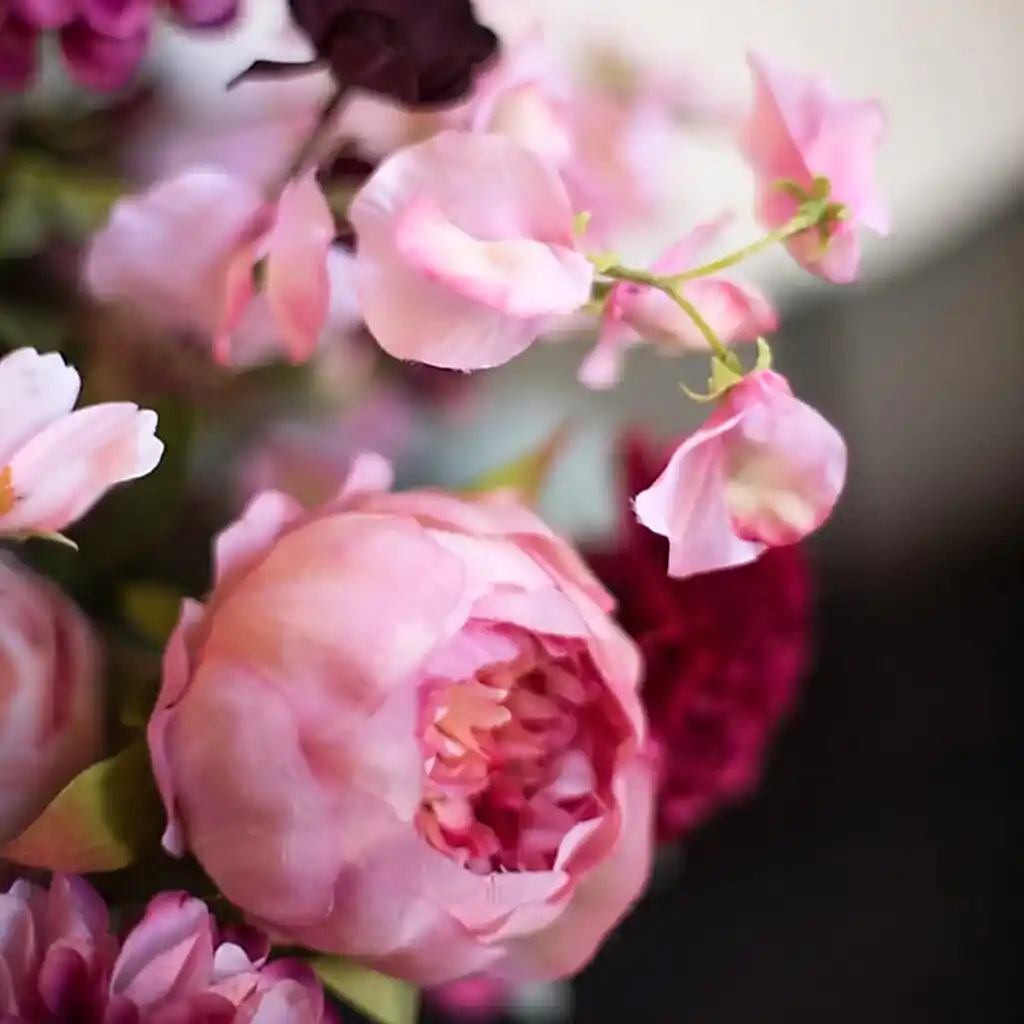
(725, 653)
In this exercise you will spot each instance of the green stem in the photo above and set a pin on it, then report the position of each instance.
(801, 222)
(668, 286)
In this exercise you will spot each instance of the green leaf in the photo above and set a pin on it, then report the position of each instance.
(385, 1000)
(104, 819)
(151, 609)
(527, 474)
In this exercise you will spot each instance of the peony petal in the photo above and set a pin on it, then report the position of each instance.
(63, 471)
(297, 282)
(35, 391)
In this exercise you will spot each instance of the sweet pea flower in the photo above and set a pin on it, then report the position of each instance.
(637, 312)
(55, 463)
(50, 696)
(800, 130)
(60, 962)
(466, 251)
(188, 249)
(764, 471)
(459, 781)
(101, 44)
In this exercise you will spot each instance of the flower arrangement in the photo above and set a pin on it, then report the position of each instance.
(270, 722)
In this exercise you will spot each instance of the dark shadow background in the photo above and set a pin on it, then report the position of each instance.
(870, 879)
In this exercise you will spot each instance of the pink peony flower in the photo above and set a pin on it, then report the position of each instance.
(456, 781)
(800, 130)
(187, 251)
(56, 464)
(724, 653)
(50, 696)
(765, 470)
(59, 962)
(466, 251)
(635, 312)
(101, 43)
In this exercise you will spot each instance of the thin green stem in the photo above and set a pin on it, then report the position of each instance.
(801, 222)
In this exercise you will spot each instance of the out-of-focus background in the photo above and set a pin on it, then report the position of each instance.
(870, 877)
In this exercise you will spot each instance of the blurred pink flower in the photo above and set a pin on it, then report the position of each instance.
(765, 470)
(55, 463)
(188, 249)
(458, 781)
(798, 130)
(636, 312)
(466, 251)
(101, 43)
(50, 696)
(59, 961)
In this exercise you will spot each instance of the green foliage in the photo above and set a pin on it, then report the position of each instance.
(383, 999)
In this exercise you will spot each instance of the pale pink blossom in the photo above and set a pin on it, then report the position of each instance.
(51, 704)
(466, 251)
(799, 130)
(459, 782)
(60, 961)
(56, 461)
(637, 312)
(765, 470)
(187, 252)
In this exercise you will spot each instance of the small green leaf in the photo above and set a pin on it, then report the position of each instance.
(103, 820)
(580, 222)
(764, 355)
(385, 1000)
(527, 474)
(152, 610)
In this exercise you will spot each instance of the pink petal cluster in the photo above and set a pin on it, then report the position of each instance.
(799, 130)
(466, 251)
(458, 780)
(55, 463)
(60, 962)
(765, 470)
(724, 653)
(637, 312)
(101, 43)
(188, 250)
(50, 695)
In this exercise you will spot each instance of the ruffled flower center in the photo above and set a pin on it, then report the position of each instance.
(511, 759)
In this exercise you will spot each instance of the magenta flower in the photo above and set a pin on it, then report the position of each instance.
(55, 463)
(458, 783)
(466, 251)
(724, 653)
(187, 250)
(59, 962)
(765, 470)
(50, 699)
(101, 42)
(799, 130)
(636, 312)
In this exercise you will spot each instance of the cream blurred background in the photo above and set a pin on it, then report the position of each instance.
(924, 383)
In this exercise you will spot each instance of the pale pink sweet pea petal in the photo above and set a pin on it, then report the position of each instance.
(765, 470)
(35, 391)
(799, 129)
(636, 312)
(452, 236)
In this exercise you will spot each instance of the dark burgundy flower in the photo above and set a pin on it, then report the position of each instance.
(725, 652)
(419, 52)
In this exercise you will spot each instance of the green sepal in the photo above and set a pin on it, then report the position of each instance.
(526, 475)
(381, 998)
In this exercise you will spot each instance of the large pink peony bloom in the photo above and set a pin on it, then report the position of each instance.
(55, 463)
(466, 251)
(59, 962)
(798, 130)
(764, 471)
(405, 729)
(186, 253)
(101, 43)
(636, 312)
(50, 706)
